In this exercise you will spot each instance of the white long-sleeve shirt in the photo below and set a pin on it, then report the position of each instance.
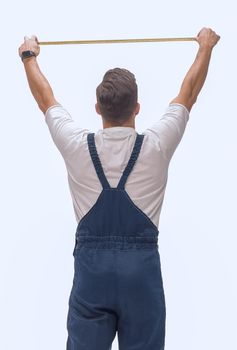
(147, 182)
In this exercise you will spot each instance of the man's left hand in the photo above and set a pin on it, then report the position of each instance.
(30, 44)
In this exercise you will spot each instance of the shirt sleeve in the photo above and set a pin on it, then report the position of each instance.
(169, 129)
(65, 132)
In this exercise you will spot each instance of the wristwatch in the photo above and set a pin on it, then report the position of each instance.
(26, 54)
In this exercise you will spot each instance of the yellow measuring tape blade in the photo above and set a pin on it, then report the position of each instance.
(114, 41)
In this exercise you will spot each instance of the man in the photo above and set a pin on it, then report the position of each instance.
(117, 180)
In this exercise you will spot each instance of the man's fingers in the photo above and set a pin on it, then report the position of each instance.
(199, 32)
(34, 37)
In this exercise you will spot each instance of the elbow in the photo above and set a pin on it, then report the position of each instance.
(45, 104)
(193, 100)
(190, 101)
(43, 107)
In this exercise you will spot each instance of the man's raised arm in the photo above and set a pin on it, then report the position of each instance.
(39, 85)
(195, 78)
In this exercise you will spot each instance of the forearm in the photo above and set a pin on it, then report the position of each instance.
(196, 76)
(39, 85)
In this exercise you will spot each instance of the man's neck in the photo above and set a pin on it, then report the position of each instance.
(130, 124)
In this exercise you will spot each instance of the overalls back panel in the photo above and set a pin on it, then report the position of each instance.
(117, 285)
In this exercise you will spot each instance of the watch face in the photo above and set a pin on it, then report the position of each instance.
(27, 53)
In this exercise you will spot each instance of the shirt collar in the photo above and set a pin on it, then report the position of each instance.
(118, 131)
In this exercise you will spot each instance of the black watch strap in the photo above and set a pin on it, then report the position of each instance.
(26, 54)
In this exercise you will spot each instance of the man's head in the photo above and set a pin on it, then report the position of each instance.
(117, 98)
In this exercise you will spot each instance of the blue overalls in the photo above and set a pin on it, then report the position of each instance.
(117, 284)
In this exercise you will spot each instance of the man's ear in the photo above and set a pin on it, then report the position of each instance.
(137, 110)
(97, 108)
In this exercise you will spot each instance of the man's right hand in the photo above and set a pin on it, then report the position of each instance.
(207, 38)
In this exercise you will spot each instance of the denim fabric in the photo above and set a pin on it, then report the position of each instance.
(117, 284)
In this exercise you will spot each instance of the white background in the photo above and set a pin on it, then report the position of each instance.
(198, 228)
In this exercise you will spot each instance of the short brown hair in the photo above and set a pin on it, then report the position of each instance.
(117, 95)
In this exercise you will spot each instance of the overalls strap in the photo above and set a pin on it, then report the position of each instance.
(96, 161)
(98, 166)
(132, 161)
